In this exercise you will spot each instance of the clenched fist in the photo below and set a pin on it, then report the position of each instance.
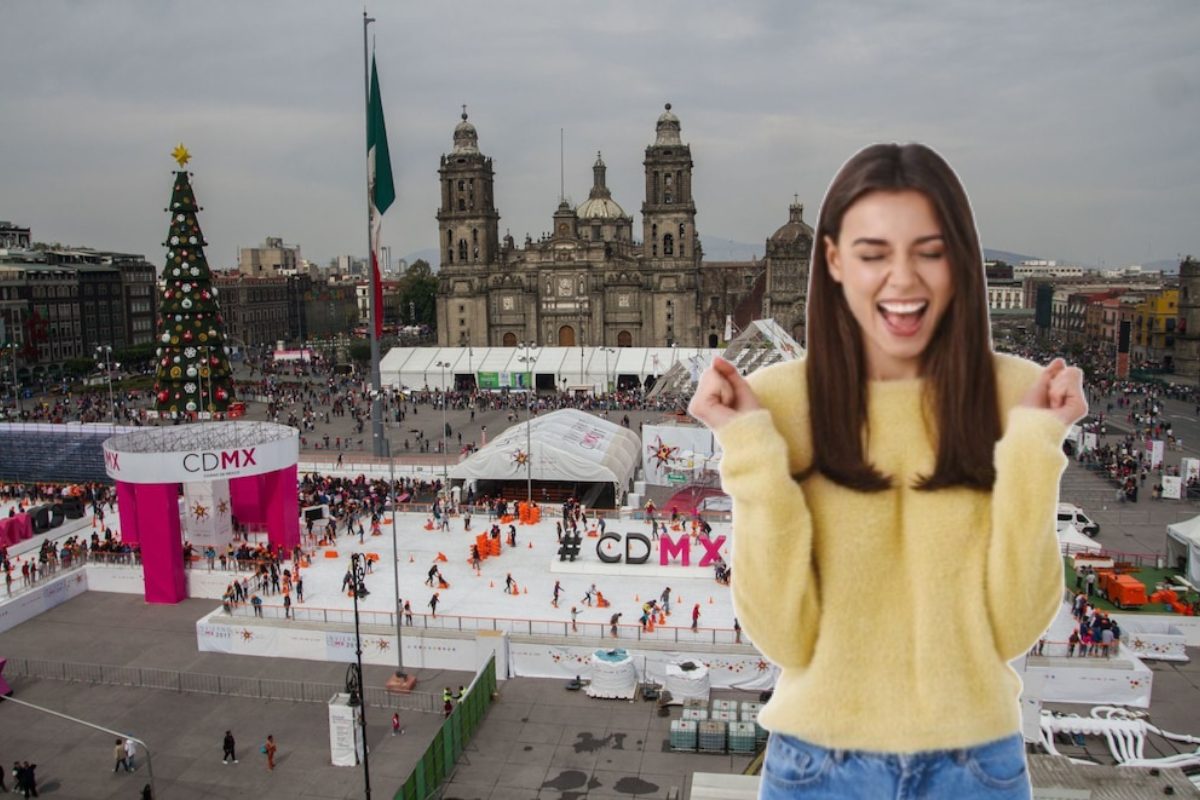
(1058, 389)
(722, 395)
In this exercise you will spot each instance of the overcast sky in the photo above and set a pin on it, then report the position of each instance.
(1075, 126)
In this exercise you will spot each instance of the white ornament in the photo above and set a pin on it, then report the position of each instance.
(187, 287)
(179, 217)
(174, 240)
(186, 303)
(192, 240)
(190, 352)
(195, 271)
(166, 337)
(191, 406)
(191, 372)
(189, 387)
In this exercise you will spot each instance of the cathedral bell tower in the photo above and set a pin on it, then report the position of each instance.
(468, 228)
(672, 246)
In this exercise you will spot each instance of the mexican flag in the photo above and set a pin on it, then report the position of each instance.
(380, 190)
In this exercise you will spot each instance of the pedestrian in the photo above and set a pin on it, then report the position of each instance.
(433, 604)
(287, 606)
(612, 624)
(396, 729)
(269, 749)
(695, 617)
(407, 613)
(509, 584)
(902, 423)
(574, 616)
(230, 751)
(27, 779)
(299, 588)
(557, 592)
(256, 603)
(737, 631)
(665, 597)
(131, 753)
(119, 759)
(589, 595)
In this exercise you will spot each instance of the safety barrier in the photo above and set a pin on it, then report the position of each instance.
(668, 634)
(447, 746)
(204, 683)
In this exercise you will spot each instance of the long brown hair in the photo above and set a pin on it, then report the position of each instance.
(960, 381)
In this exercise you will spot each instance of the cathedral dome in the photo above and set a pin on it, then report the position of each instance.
(466, 139)
(599, 204)
(795, 230)
(668, 128)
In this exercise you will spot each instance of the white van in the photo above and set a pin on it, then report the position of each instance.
(1068, 512)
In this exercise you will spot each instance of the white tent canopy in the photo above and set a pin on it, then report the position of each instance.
(1183, 541)
(562, 446)
(591, 368)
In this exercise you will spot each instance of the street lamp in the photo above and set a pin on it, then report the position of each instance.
(442, 365)
(106, 349)
(395, 561)
(608, 351)
(531, 360)
(354, 680)
(16, 387)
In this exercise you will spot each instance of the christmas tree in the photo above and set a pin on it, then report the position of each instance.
(193, 368)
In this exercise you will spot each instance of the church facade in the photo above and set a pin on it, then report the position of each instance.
(591, 282)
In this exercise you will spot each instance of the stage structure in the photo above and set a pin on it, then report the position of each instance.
(226, 469)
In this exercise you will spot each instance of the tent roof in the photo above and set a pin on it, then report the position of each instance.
(1187, 530)
(566, 445)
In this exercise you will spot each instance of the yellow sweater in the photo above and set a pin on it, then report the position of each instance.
(893, 615)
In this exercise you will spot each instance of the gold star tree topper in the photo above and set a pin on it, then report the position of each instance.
(181, 154)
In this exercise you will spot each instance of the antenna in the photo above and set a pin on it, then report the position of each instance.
(562, 181)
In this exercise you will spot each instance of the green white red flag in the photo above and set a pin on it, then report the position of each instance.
(381, 191)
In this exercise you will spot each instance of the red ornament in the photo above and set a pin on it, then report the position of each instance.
(187, 336)
(222, 395)
(163, 396)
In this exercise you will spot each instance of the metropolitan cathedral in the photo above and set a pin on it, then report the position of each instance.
(590, 282)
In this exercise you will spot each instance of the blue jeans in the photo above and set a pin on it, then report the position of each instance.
(796, 769)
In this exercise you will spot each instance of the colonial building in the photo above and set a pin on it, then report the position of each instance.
(590, 282)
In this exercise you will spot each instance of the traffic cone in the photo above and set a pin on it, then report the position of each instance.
(491, 584)
(710, 601)
(637, 599)
(441, 557)
(526, 590)
(531, 545)
(411, 559)
(679, 600)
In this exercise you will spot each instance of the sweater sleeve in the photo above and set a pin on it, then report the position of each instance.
(774, 592)
(1024, 579)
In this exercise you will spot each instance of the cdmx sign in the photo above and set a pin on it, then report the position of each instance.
(668, 548)
(224, 459)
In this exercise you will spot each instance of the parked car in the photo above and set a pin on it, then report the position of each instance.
(1068, 512)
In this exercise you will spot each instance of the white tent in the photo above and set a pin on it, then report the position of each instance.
(1183, 542)
(561, 446)
(560, 368)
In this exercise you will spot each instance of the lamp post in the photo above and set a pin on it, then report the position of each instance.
(442, 365)
(608, 381)
(354, 673)
(395, 560)
(531, 360)
(16, 387)
(106, 350)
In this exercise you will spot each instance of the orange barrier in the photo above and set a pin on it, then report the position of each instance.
(441, 557)
(494, 546)
(331, 554)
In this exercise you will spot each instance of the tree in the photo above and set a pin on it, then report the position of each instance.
(193, 367)
(418, 295)
(359, 351)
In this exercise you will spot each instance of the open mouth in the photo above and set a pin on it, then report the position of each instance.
(903, 317)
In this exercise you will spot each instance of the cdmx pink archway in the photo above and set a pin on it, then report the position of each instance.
(227, 469)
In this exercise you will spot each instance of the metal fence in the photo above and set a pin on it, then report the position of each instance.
(204, 683)
(449, 742)
(586, 632)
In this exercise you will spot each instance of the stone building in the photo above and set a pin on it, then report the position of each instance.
(1187, 335)
(590, 282)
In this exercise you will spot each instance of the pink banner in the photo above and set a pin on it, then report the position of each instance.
(161, 542)
(127, 507)
(282, 507)
(245, 496)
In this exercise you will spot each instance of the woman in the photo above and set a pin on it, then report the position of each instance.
(902, 466)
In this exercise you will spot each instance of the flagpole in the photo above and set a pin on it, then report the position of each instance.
(376, 388)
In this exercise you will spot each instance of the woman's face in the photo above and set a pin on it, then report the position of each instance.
(890, 259)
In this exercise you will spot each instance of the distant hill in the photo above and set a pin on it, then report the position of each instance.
(432, 256)
(1012, 259)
